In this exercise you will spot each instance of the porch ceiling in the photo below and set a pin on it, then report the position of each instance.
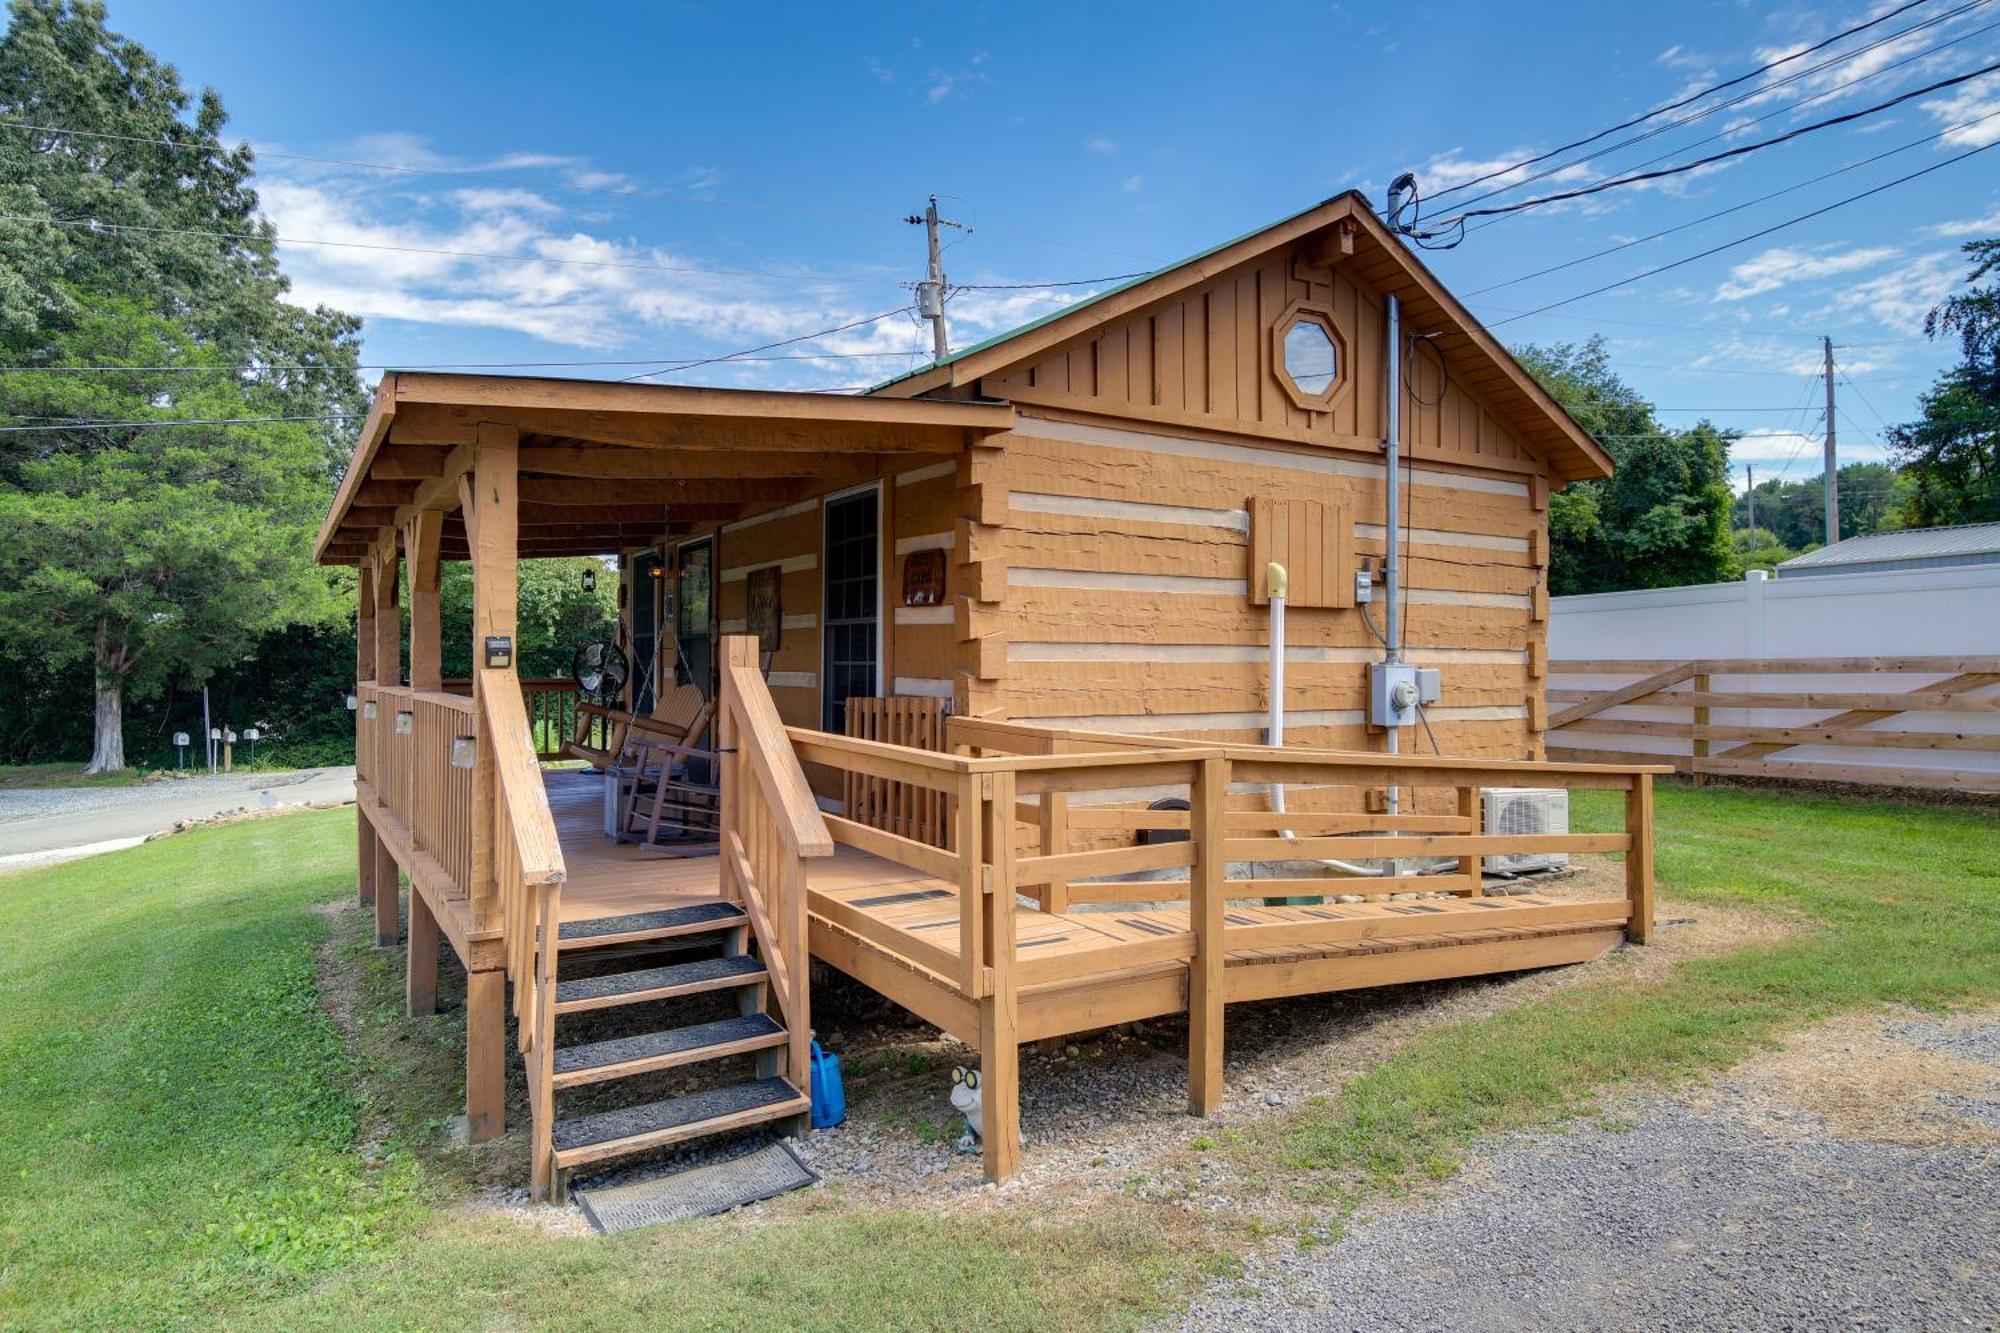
(607, 465)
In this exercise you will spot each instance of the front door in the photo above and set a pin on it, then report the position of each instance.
(694, 632)
(850, 660)
(646, 570)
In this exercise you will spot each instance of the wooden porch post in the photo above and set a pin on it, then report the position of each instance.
(1639, 858)
(999, 1020)
(1205, 970)
(388, 613)
(421, 535)
(420, 979)
(388, 903)
(488, 496)
(364, 673)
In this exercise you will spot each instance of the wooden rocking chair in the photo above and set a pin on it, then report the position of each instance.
(665, 794)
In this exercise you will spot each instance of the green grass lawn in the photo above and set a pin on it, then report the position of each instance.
(183, 1118)
(64, 775)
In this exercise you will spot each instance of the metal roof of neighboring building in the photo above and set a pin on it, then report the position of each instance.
(1914, 548)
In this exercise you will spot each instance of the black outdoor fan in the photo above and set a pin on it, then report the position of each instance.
(600, 670)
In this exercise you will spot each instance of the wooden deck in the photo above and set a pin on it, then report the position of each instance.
(898, 930)
(608, 878)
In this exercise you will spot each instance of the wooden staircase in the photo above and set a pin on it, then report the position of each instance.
(715, 959)
(607, 1009)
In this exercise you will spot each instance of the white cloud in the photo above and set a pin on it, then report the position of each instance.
(1451, 168)
(1100, 145)
(1776, 267)
(1133, 184)
(1971, 113)
(525, 262)
(1988, 225)
(1902, 297)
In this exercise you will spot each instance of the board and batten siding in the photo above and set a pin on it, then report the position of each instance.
(1115, 594)
(1206, 361)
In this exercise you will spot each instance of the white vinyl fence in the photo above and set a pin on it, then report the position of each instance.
(1890, 678)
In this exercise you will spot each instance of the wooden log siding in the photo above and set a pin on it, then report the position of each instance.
(1128, 572)
(1904, 732)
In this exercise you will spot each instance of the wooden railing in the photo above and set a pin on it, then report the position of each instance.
(913, 812)
(1441, 795)
(527, 872)
(1814, 719)
(770, 827)
(551, 703)
(416, 752)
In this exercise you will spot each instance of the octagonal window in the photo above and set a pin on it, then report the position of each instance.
(1312, 361)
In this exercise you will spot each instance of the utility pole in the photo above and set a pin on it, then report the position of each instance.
(930, 292)
(1832, 479)
(1750, 479)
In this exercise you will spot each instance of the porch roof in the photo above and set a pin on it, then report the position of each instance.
(605, 465)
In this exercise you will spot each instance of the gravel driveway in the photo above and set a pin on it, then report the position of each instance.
(1778, 1198)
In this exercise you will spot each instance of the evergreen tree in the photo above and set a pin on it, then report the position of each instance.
(150, 552)
(1952, 453)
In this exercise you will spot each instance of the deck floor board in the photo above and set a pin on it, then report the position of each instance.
(608, 878)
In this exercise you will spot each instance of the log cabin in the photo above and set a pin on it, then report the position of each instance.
(991, 717)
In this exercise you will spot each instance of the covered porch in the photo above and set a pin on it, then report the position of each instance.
(1004, 882)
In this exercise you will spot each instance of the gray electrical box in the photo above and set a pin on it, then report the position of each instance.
(1395, 691)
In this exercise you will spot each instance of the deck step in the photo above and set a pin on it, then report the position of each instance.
(639, 927)
(658, 983)
(622, 1057)
(581, 1140)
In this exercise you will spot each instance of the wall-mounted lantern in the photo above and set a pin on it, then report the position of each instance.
(499, 652)
(368, 710)
(352, 703)
(406, 722)
(464, 749)
(589, 579)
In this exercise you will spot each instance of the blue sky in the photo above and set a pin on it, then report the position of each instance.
(737, 176)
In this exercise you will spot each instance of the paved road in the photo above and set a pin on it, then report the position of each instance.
(41, 824)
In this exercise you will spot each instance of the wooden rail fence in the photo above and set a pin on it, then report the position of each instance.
(1889, 721)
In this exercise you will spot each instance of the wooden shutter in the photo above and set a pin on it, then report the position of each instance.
(1315, 544)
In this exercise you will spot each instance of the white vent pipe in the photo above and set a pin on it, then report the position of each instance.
(1275, 584)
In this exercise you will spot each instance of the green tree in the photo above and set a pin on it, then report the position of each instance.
(1662, 520)
(1795, 511)
(133, 240)
(554, 615)
(1952, 452)
(151, 552)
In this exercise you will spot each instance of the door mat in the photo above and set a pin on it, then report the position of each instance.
(698, 1191)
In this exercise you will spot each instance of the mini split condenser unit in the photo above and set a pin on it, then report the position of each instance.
(1522, 810)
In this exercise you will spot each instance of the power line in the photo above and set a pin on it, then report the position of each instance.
(1685, 101)
(434, 365)
(1880, 420)
(151, 423)
(406, 170)
(97, 224)
(782, 342)
(1755, 94)
(1755, 235)
(1734, 208)
(1635, 178)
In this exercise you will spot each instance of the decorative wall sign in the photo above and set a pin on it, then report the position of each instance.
(765, 615)
(923, 578)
